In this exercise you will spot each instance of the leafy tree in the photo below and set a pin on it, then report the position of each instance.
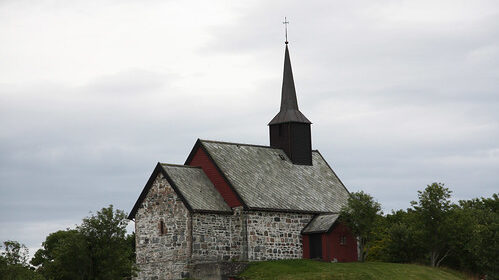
(109, 248)
(15, 253)
(64, 255)
(432, 210)
(13, 263)
(97, 249)
(361, 214)
(480, 244)
(403, 237)
(460, 227)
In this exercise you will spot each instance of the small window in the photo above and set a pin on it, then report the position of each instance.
(343, 240)
(162, 229)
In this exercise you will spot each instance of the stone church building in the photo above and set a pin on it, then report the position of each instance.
(239, 202)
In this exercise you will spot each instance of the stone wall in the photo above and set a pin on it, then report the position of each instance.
(275, 235)
(218, 270)
(218, 237)
(186, 239)
(162, 253)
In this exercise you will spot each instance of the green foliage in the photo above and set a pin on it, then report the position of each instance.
(309, 269)
(109, 248)
(435, 231)
(98, 249)
(64, 255)
(361, 214)
(13, 263)
(432, 212)
(479, 239)
(403, 238)
(17, 272)
(14, 253)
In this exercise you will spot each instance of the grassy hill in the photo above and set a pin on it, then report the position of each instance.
(308, 269)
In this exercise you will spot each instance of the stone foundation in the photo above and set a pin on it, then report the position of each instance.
(217, 270)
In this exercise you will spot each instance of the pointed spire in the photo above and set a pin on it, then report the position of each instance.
(288, 95)
(289, 105)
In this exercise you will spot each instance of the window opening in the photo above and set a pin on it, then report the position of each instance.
(161, 227)
(343, 240)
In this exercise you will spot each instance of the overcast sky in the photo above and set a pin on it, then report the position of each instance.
(94, 93)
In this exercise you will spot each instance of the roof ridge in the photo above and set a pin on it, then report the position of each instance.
(178, 165)
(239, 144)
(244, 144)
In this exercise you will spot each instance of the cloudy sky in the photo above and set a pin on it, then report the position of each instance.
(94, 93)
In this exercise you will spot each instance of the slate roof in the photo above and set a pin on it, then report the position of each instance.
(196, 188)
(266, 179)
(191, 184)
(321, 223)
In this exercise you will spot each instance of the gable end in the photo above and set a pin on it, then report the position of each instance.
(199, 156)
(158, 169)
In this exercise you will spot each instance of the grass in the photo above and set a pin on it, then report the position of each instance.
(309, 269)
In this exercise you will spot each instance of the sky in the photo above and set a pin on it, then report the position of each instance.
(94, 93)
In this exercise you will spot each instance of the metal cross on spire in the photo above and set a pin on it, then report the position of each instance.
(286, 22)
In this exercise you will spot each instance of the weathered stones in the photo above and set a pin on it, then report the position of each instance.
(165, 256)
(265, 232)
(217, 236)
(171, 241)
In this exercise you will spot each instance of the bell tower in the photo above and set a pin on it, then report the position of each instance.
(290, 129)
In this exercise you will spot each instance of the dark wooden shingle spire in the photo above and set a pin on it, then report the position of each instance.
(290, 129)
(289, 105)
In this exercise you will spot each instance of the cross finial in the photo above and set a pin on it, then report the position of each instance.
(286, 22)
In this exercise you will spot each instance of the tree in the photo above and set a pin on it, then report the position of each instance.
(361, 214)
(109, 248)
(64, 256)
(15, 253)
(480, 240)
(13, 262)
(99, 248)
(403, 237)
(433, 216)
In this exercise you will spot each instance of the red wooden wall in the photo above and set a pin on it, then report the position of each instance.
(331, 247)
(201, 159)
(306, 246)
(342, 253)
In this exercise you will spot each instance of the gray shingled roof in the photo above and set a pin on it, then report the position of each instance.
(265, 178)
(196, 188)
(321, 223)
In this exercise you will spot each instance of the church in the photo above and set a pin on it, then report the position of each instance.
(233, 203)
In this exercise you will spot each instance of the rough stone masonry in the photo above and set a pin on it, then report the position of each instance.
(171, 241)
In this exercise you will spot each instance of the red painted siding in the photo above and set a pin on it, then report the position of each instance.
(331, 245)
(306, 246)
(342, 253)
(324, 247)
(201, 159)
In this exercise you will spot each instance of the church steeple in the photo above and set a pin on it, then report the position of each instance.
(290, 129)
(289, 105)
